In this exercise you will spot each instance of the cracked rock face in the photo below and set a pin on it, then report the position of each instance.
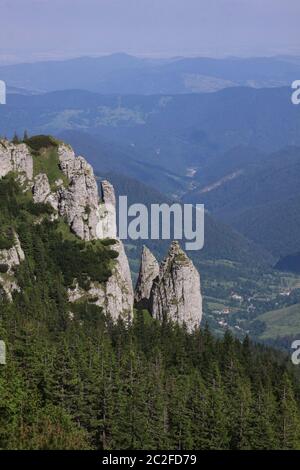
(176, 293)
(79, 203)
(91, 219)
(171, 291)
(41, 189)
(11, 258)
(149, 270)
(89, 216)
(108, 210)
(42, 192)
(115, 296)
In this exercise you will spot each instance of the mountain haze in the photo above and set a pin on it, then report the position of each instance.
(125, 74)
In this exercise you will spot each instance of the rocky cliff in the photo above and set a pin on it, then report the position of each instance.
(116, 295)
(175, 292)
(16, 158)
(50, 173)
(88, 216)
(9, 260)
(74, 196)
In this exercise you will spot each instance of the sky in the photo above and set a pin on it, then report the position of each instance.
(33, 30)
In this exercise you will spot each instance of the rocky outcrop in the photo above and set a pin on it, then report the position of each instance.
(93, 218)
(88, 217)
(9, 259)
(79, 202)
(13, 256)
(171, 291)
(67, 157)
(76, 198)
(15, 158)
(41, 189)
(42, 192)
(149, 270)
(108, 210)
(176, 293)
(115, 296)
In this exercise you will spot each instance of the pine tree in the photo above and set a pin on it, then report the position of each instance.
(289, 418)
(264, 416)
(16, 139)
(218, 419)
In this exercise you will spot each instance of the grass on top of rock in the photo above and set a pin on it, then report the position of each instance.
(39, 142)
(46, 161)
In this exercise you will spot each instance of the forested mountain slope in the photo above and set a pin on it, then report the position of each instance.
(75, 378)
(175, 131)
(261, 200)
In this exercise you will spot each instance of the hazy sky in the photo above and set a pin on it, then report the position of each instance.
(37, 29)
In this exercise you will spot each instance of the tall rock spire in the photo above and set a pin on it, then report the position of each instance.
(149, 270)
(108, 211)
(176, 293)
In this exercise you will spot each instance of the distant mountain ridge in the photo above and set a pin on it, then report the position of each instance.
(125, 74)
(175, 132)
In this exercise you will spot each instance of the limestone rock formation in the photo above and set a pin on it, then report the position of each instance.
(9, 259)
(149, 270)
(176, 293)
(108, 210)
(41, 189)
(67, 159)
(91, 218)
(88, 217)
(115, 296)
(42, 192)
(15, 158)
(13, 256)
(76, 198)
(79, 203)
(173, 291)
